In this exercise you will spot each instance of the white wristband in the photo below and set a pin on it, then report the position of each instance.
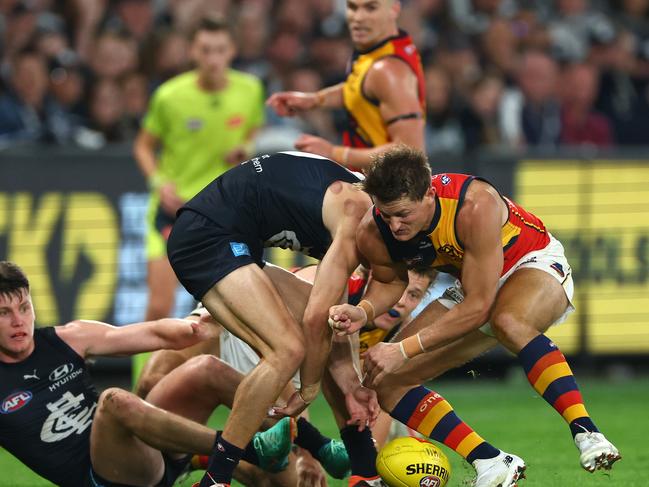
(403, 352)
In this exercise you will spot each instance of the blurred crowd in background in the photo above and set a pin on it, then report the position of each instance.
(501, 73)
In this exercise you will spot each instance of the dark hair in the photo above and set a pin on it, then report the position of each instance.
(13, 281)
(212, 23)
(425, 272)
(396, 173)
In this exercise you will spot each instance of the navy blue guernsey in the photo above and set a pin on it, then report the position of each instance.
(416, 252)
(48, 404)
(277, 198)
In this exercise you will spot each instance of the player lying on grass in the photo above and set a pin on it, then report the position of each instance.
(53, 420)
(514, 283)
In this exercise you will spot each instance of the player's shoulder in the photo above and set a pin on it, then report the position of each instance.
(245, 80)
(178, 82)
(390, 66)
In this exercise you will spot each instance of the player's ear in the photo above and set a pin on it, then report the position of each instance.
(395, 9)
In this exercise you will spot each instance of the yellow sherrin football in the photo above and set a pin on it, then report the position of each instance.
(412, 462)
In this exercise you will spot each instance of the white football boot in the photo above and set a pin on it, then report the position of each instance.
(596, 451)
(503, 470)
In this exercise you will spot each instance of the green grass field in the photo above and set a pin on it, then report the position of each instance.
(514, 418)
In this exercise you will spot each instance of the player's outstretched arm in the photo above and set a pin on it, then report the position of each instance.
(290, 103)
(394, 84)
(90, 338)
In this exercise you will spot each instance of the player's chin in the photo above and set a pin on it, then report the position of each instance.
(403, 236)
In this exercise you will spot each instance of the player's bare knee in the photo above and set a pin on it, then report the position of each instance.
(507, 328)
(119, 404)
(289, 354)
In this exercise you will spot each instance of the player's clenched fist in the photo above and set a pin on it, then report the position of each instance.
(380, 360)
(345, 319)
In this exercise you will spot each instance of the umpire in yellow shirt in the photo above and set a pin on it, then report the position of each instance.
(198, 125)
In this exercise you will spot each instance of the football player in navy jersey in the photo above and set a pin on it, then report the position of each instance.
(53, 420)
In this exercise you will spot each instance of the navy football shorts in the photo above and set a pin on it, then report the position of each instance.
(202, 252)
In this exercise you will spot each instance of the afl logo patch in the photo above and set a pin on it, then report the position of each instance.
(194, 124)
(15, 401)
(445, 179)
(430, 481)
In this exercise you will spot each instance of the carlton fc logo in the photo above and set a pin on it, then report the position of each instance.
(15, 401)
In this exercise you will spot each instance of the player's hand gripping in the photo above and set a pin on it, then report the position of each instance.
(345, 319)
(363, 407)
(289, 103)
(295, 405)
(380, 360)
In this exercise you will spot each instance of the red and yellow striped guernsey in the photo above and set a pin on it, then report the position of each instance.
(440, 247)
(366, 127)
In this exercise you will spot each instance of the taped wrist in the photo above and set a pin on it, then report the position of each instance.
(411, 346)
(368, 307)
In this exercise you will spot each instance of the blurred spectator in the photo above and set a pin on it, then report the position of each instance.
(168, 58)
(580, 123)
(531, 115)
(623, 96)
(19, 29)
(113, 39)
(85, 16)
(135, 91)
(479, 118)
(113, 55)
(499, 45)
(474, 16)
(133, 16)
(252, 32)
(27, 112)
(67, 84)
(443, 131)
(107, 113)
(576, 29)
(459, 59)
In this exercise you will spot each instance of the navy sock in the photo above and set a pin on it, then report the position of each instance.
(309, 438)
(361, 450)
(223, 461)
